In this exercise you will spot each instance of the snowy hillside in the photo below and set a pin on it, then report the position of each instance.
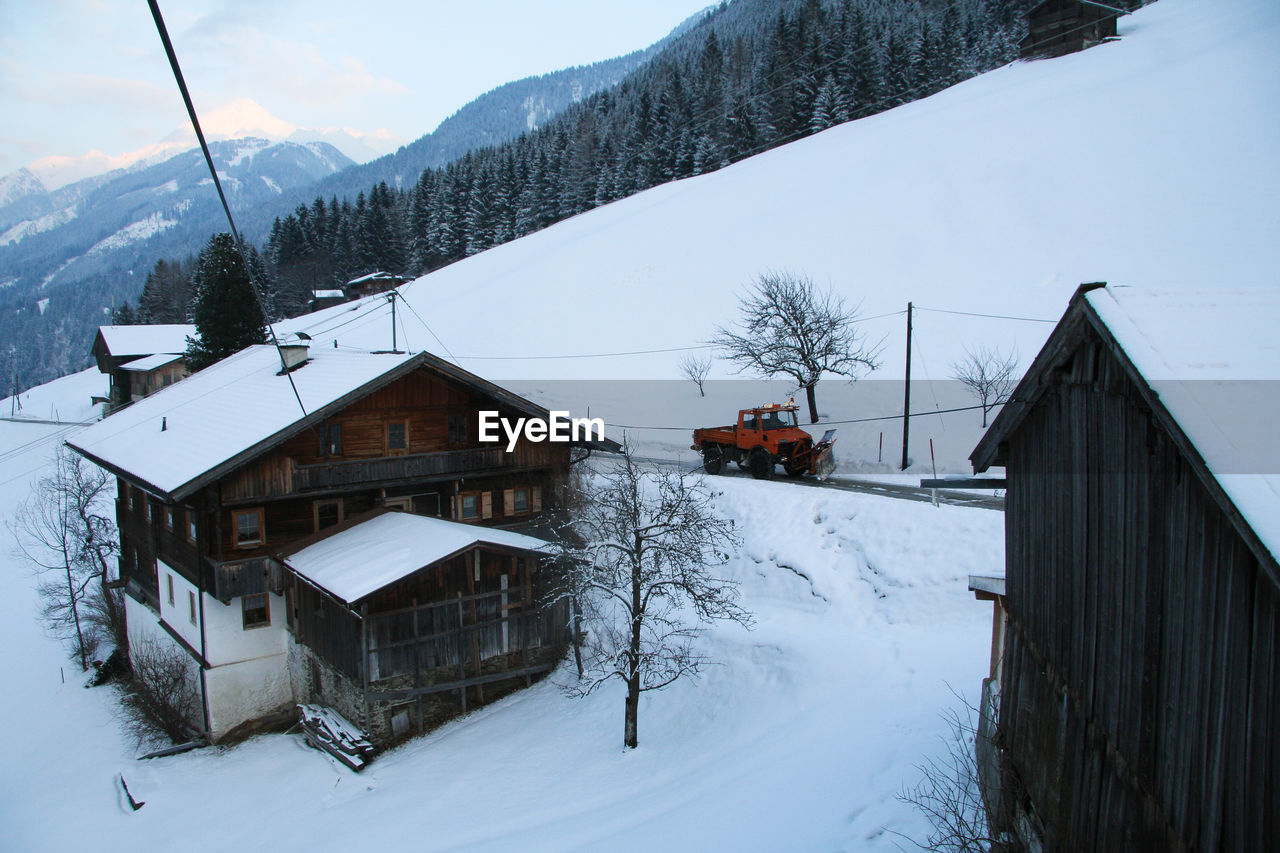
(1145, 161)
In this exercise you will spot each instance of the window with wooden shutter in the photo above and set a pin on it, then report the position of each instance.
(537, 499)
(486, 505)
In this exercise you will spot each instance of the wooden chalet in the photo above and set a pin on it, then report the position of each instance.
(139, 359)
(1135, 697)
(222, 473)
(374, 282)
(1059, 27)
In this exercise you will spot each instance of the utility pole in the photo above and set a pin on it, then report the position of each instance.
(906, 402)
(392, 296)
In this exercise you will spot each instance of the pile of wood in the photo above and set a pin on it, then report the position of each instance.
(326, 729)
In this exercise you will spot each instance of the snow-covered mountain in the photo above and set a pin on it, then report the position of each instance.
(241, 119)
(71, 247)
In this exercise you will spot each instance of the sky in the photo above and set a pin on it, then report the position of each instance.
(90, 75)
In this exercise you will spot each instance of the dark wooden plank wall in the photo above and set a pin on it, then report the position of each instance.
(144, 538)
(1063, 26)
(1139, 693)
(332, 631)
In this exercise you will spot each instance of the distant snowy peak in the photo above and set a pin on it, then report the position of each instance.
(18, 185)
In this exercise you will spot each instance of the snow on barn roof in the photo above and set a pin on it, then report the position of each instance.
(223, 415)
(151, 362)
(146, 340)
(364, 558)
(1213, 359)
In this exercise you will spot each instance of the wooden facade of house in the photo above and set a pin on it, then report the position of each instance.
(1139, 685)
(407, 443)
(1059, 27)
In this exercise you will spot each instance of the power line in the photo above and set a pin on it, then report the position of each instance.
(989, 316)
(583, 355)
(226, 208)
(819, 423)
(430, 330)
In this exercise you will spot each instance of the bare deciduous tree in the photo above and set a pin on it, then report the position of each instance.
(646, 541)
(949, 793)
(62, 530)
(162, 695)
(695, 368)
(790, 328)
(989, 374)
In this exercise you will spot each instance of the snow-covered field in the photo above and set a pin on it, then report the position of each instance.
(1146, 161)
(798, 741)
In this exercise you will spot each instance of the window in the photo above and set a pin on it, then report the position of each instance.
(517, 501)
(469, 505)
(326, 514)
(191, 526)
(331, 440)
(397, 437)
(248, 527)
(146, 508)
(255, 610)
(191, 608)
(168, 518)
(458, 429)
(172, 603)
(168, 380)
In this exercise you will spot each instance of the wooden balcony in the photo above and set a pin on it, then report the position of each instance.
(421, 466)
(281, 476)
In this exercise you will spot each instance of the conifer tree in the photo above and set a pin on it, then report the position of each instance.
(226, 312)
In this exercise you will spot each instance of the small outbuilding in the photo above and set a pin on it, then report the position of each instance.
(398, 618)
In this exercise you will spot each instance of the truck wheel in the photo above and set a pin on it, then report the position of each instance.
(760, 461)
(712, 459)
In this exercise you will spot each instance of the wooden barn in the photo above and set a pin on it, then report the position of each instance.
(399, 617)
(1138, 622)
(222, 473)
(1059, 27)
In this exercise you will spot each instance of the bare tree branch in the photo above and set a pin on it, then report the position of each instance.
(790, 328)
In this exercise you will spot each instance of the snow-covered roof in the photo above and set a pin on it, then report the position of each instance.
(146, 340)
(1213, 359)
(151, 362)
(224, 414)
(364, 558)
(1210, 359)
(328, 294)
(376, 276)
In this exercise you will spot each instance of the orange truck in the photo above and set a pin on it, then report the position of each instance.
(764, 437)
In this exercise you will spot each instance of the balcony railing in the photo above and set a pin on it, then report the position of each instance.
(416, 467)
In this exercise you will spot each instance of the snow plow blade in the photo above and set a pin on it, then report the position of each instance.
(823, 461)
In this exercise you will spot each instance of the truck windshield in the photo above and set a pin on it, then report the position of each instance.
(778, 420)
